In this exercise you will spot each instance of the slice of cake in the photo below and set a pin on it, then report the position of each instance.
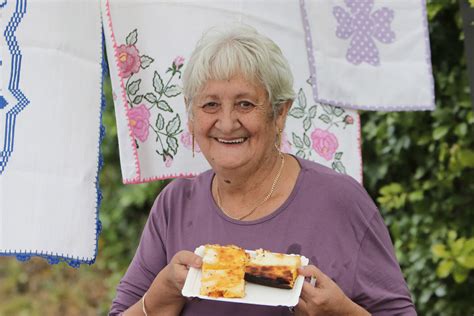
(273, 269)
(223, 271)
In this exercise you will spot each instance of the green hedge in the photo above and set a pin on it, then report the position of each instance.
(418, 166)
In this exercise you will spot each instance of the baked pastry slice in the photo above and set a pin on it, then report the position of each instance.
(273, 269)
(223, 271)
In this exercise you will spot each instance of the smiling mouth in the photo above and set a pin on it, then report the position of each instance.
(232, 141)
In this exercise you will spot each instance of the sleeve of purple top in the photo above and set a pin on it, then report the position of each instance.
(379, 285)
(148, 261)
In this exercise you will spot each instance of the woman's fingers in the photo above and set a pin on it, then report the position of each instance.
(301, 308)
(187, 258)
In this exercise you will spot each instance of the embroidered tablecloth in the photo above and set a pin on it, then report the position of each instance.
(371, 55)
(50, 124)
(148, 44)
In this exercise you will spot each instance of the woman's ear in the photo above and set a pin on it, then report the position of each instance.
(284, 109)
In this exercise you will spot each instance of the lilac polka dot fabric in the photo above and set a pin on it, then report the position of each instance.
(363, 25)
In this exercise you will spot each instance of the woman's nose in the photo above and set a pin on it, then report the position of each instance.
(228, 120)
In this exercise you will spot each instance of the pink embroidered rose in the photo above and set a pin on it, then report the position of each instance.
(187, 141)
(139, 120)
(168, 161)
(348, 120)
(324, 143)
(129, 60)
(178, 62)
(285, 144)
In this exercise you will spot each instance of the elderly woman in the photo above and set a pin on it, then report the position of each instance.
(238, 89)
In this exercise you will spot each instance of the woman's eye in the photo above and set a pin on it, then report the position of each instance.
(210, 107)
(245, 105)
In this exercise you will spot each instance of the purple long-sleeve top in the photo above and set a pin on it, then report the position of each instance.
(328, 218)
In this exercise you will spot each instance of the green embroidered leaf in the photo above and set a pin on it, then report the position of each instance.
(173, 126)
(173, 91)
(297, 141)
(296, 112)
(312, 111)
(338, 156)
(325, 118)
(300, 154)
(338, 111)
(172, 144)
(301, 99)
(158, 83)
(132, 37)
(327, 108)
(163, 105)
(151, 97)
(134, 86)
(306, 140)
(145, 61)
(339, 167)
(307, 123)
(138, 99)
(160, 122)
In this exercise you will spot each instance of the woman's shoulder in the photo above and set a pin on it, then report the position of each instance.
(340, 191)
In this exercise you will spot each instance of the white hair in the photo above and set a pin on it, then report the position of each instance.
(225, 52)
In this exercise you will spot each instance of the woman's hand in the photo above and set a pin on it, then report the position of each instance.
(325, 298)
(177, 269)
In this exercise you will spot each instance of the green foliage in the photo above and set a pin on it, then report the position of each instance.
(419, 166)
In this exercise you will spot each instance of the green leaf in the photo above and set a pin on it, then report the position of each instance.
(296, 112)
(338, 111)
(172, 91)
(339, 167)
(338, 156)
(137, 99)
(297, 141)
(306, 140)
(439, 250)
(327, 108)
(173, 126)
(466, 157)
(151, 97)
(444, 268)
(301, 154)
(460, 274)
(132, 37)
(158, 83)
(325, 118)
(466, 261)
(172, 144)
(145, 61)
(416, 196)
(307, 123)
(312, 111)
(456, 246)
(160, 122)
(301, 99)
(163, 105)
(134, 86)
(440, 132)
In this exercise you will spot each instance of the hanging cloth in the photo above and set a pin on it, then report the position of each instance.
(148, 45)
(50, 125)
(371, 55)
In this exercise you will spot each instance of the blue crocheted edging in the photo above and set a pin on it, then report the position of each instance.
(55, 258)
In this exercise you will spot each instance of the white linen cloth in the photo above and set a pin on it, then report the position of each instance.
(51, 54)
(148, 45)
(371, 55)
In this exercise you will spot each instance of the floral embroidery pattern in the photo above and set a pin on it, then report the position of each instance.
(363, 26)
(187, 141)
(321, 141)
(151, 110)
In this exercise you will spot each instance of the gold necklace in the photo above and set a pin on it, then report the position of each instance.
(272, 189)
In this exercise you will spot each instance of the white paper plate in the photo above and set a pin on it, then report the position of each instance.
(254, 293)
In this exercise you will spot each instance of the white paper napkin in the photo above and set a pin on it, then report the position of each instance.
(51, 54)
(148, 45)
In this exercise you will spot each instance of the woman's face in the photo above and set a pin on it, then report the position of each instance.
(233, 123)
